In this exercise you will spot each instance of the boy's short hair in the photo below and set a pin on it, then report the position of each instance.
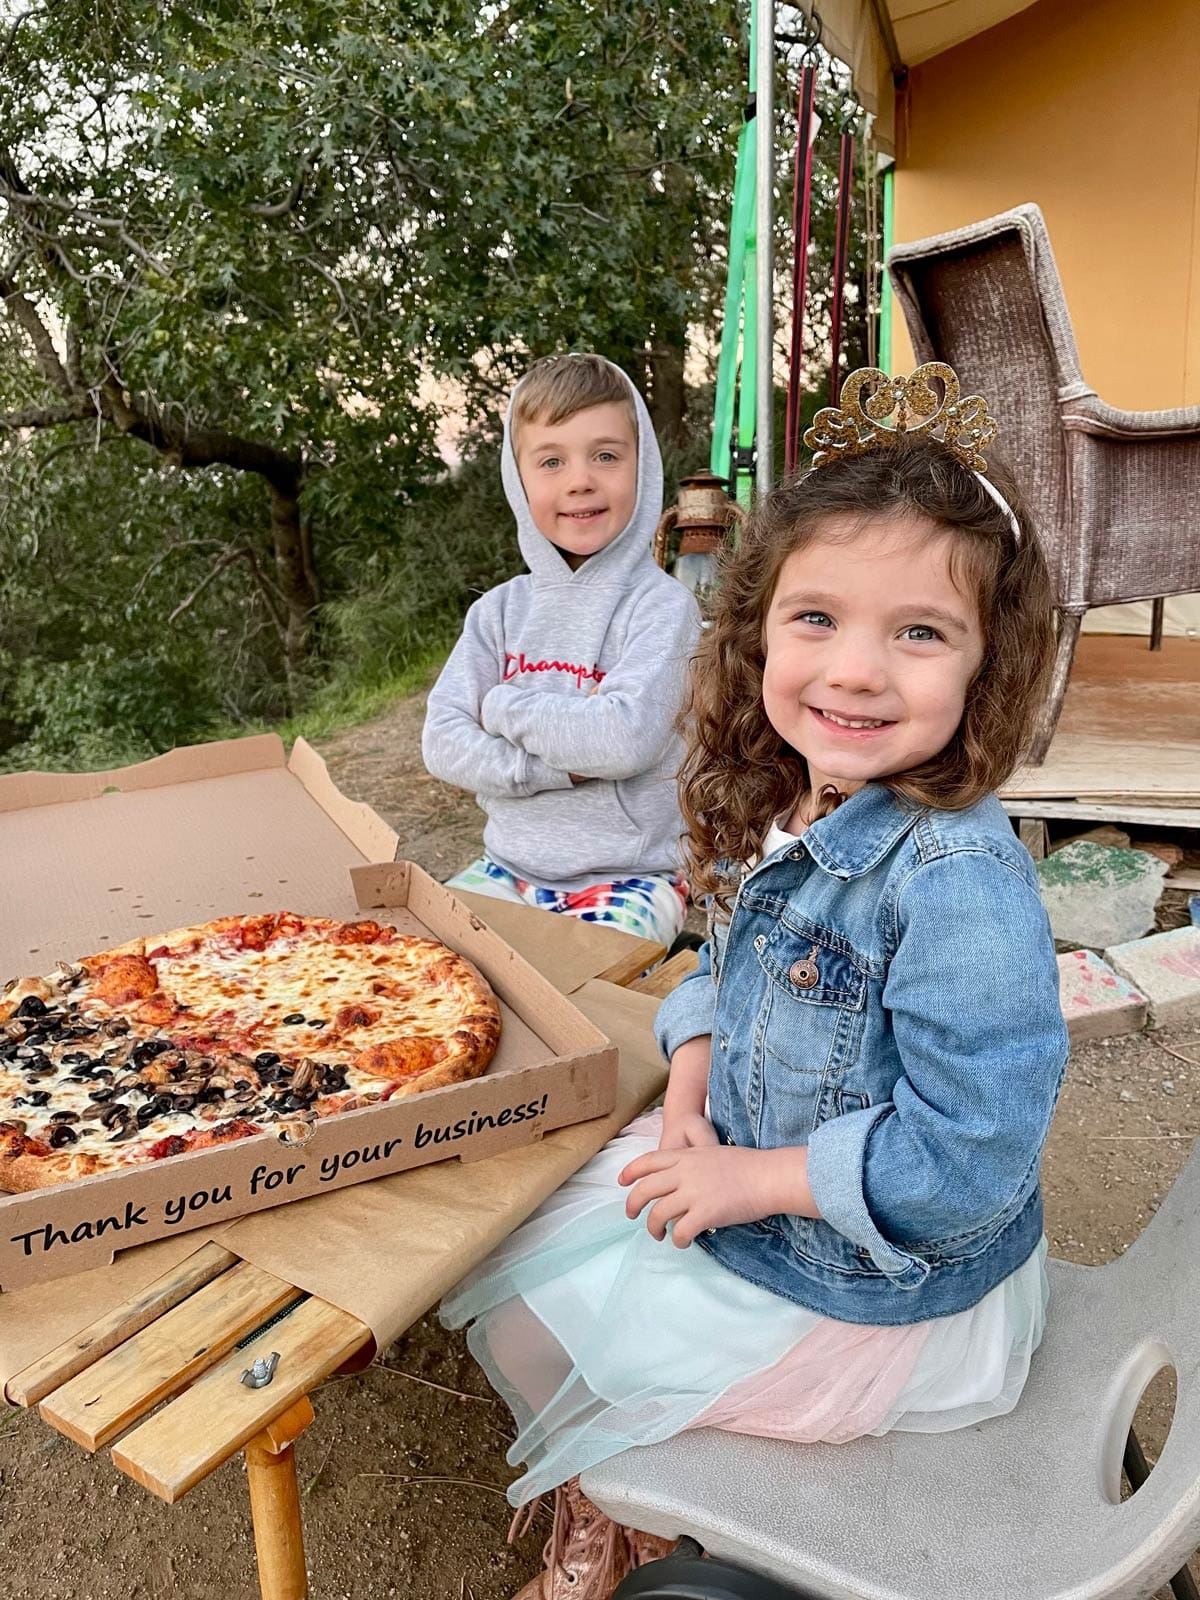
(556, 387)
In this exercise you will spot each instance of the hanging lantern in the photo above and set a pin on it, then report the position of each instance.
(702, 518)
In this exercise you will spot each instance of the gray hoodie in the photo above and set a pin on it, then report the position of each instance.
(559, 672)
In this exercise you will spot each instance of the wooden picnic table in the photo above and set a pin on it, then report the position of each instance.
(185, 1340)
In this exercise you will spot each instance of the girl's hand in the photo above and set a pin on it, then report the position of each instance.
(687, 1130)
(715, 1186)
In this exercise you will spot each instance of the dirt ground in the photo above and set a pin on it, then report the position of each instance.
(403, 1473)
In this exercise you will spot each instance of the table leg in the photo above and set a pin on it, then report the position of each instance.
(275, 1504)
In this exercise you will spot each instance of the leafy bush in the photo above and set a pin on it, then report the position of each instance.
(451, 544)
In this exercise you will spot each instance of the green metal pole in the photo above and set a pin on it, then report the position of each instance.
(764, 386)
(720, 459)
(737, 367)
(885, 287)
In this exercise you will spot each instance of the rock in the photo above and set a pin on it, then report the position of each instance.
(1172, 854)
(1166, 969)
(1105, 834)
(1095, 1001)
(1096, 895)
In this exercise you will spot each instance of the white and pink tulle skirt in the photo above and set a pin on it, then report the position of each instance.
(600, 1337)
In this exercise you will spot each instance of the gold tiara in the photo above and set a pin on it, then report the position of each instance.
(857, 426)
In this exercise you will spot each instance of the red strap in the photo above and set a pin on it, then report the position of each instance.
(801, 223)
(840, 255)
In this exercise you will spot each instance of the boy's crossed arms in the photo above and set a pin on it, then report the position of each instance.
(506, 738)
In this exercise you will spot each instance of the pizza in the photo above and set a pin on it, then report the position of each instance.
(235, 1027)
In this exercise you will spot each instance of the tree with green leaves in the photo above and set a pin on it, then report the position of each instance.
(240, 248)
(244, 235)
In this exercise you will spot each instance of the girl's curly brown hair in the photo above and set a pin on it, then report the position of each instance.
(739, 774)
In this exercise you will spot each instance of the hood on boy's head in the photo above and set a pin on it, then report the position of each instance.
(630, 547)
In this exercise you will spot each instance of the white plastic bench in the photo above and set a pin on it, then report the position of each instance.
(1023, 1507)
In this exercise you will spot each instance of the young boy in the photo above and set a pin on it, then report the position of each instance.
(558, 703)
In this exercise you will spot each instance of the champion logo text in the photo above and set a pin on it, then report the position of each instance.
(513, 665)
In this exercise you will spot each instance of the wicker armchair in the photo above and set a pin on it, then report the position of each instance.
(1115, 494)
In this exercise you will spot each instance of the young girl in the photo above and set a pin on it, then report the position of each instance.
(834, 1226)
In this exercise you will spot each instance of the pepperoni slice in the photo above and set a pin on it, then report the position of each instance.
(126, 978)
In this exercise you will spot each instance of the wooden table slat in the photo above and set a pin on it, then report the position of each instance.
(667, 976)
(99, 1403)
(182, 1443)
(75, 1354)
(623, 972)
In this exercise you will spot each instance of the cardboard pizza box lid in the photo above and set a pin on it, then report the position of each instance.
(92, 859)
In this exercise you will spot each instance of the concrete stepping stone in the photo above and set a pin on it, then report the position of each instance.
(1166, 968)
(1096, 1001)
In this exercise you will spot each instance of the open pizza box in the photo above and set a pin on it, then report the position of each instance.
(91, 860)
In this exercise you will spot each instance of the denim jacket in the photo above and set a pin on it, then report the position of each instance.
(885, 993)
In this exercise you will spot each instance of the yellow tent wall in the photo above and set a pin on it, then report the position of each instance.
(1093, 111)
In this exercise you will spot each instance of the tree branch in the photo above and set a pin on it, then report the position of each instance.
(165, 555)
(82, 409)
(24, 314)
(343, 304)
(111, 400)
(200, 447)
(213, 573)
(18, 194)
(272, 596)
(15, 28)
(281, 207)
(74, 357)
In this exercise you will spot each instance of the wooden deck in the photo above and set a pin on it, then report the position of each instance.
(1128, 741)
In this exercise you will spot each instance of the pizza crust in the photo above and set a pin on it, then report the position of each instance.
(23, 1168)
(40, 988)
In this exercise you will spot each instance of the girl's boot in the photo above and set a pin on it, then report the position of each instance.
(586, 1555)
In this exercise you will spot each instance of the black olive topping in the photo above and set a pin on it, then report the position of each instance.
(148, 1049)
